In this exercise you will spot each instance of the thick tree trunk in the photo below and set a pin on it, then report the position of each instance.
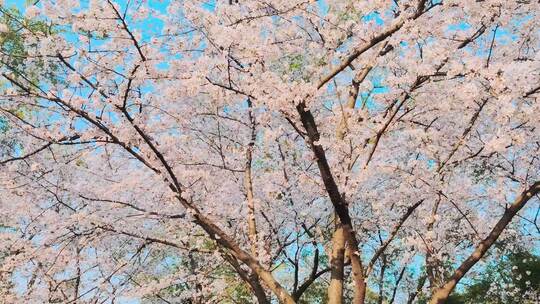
(340, 205)
(357, 268)
(335, 290)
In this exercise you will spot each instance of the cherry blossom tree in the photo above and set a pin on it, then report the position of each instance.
(259, 152)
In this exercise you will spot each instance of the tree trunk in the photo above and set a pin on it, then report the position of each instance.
(335, 290)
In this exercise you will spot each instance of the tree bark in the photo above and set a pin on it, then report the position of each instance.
(248, 185)
(335, 289)
(357, 268)
(340, 206)
(250, 278)
(431, 262)
(227, 242)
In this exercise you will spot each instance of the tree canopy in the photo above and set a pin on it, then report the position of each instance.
(269, 151)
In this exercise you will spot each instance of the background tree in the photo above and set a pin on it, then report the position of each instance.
(513, 279)
(189, 152)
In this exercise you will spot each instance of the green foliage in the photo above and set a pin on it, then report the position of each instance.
(4, 127)
(14, 59)
(237, 291)
(7, 143)
(316, 293)
(349, 15)
(296, 62)
(510, 280)
(14, 49)
(293, 67)
(516, 275)
(372, 297)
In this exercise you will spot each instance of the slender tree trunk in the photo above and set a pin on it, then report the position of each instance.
(381, 279)
(419, 286)
(351, 101)
(252, 225)
(431, 262)
(394, 291)
(248, 185)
